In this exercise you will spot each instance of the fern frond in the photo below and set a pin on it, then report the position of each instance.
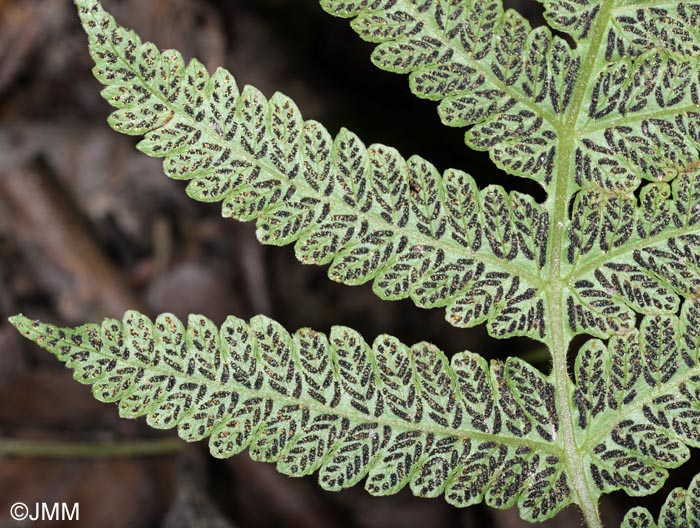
(664, 25)
(574, 17)
(681, 509)
(592, 124)
(487, 68)
(366, 211)
(642, 118)
(637, 402)
(515, 85)
(307, 402)
(625, 258)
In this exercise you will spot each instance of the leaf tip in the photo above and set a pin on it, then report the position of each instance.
(25, 326)
(85, 4)
(19, 321)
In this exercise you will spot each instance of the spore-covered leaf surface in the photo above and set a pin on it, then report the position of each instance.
(391, 414)
(601, 108)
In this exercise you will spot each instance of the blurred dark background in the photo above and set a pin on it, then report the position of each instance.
(89, 228)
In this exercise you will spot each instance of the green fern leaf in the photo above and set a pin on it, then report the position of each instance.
(637, 122)
(625, 258)
(487, 68)
(681, 509)
(574, 17)
(641, 124)
(515, 85)
(609, 128)
(366, 211)
(671, 27)
(641, 121)
(308, 402)
(636, 401)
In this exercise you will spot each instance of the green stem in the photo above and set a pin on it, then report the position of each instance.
(586, 498)
(10, 447)
(560, 337)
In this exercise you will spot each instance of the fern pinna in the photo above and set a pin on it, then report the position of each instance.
(607, 122)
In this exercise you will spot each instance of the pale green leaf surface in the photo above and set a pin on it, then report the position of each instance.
(574, 17)
(400, 415)
(513, 85)
(627, 255)
(680, 510)
(391, 414)
(366, 211)
(641, 115)
(637, 402)
(609, 128)
(488, 69)
(634, 120)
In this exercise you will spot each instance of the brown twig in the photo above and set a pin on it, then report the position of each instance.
(46, 221)
(13, 447)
